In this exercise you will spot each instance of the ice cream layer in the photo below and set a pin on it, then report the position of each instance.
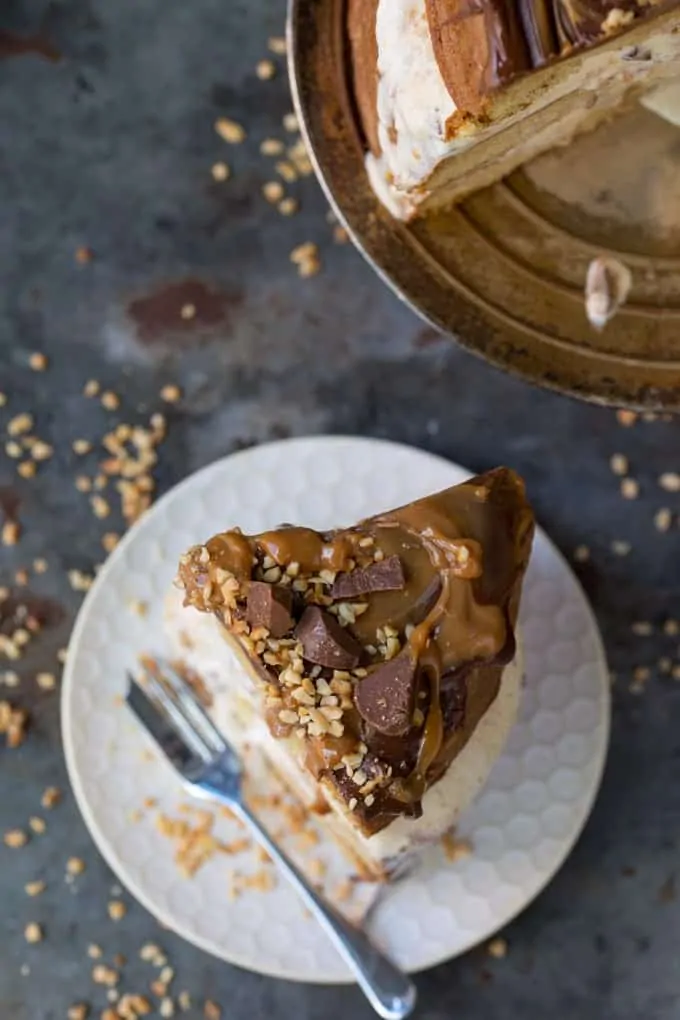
(200, 641)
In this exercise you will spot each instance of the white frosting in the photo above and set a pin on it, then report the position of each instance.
(203, 644)
(413, 104)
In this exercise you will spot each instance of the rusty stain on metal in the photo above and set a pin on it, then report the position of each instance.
(181, 307)
(13, 45)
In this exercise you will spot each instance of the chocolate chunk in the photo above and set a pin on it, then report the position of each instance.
(385, 699)
(270, 607)
(386, 575)
(325, 642)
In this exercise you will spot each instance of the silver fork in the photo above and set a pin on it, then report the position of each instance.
(168, 708)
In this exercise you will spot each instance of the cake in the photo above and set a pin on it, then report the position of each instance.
(452, 95)
(377, 666)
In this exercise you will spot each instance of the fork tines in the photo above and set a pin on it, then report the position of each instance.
(169, 709)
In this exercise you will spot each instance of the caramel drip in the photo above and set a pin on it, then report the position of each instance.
(308, 548)
(232, 551)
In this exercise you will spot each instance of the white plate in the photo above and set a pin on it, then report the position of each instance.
(521, 827)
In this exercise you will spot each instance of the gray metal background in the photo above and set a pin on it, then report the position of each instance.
(111, 147)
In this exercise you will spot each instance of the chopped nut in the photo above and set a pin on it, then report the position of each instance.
(184, 1000)
(670, 481)
(306, 258)
(83, 483)
(277, 44)
(100, 507)
(75, 866)
(498, 948)
(271, 147)
(50, 797)
(40, 565)
(167, 1007)
(663, 519)
(27, 469)
(20, 424)
(15, 838)
(46, 681)
(619, 464)
(265, 70)
(110, 540)
(79, 1011)
(10, 533)
(37, 361)
(273, 191)
(229, 131)
(117, 910)
(287, 171)
(110, 400)
(14, 449)
(94, 951)
(33, 932)
(620, 548)
(102, 975)
(84, 254)
(37, 825)
(630, 489)
(171, 393)
(288, 207)
(91, 388)
(220, 171)
(81, 446)
(34, 888)
(290, 122)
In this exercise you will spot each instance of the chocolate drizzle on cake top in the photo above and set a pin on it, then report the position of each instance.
(386, 641)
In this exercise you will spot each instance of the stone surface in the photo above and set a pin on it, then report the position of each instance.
(111, 148)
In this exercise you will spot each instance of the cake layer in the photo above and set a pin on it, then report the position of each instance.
(442, 134)
(204, 645)
(375, 650)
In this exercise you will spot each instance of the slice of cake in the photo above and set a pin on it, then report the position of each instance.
(455, 94)
(377, 665)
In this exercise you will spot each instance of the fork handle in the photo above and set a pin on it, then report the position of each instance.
(390, 992)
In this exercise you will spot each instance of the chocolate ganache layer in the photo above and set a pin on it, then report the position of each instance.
(378, 648)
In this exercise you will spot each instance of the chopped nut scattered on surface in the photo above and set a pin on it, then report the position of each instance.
(273, 191)
(50, 797)
(91, 388)
(277, 44)
(663, 519)
(171, 393)
(33, 932)
(79, 1011)
(498, 948)
(10, 533)
(38, 361)
(100, 507)
(229, 131)
(456, 849)
(84, 254)
(167, 1007)
(670, 481)
(40, 565)
(620, 548)
(75, 866)
(288, 207)
(265, 70)
(20, 424)
(630, 489)
(110, 400)
(102, 975)
(110, 540)
(46, 681)
(211, 1011)
(220, 171)
(26, 469)
(184, 1000)
(37, 825)
(271, 147)
(626, 418)
(306, 258)
(94, 951)
(290, 122)
(15, 838)
(34, 888)
(117, 910)
(81, 446)
(619, 464)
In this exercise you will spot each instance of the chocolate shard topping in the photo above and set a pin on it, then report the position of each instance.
(270, 607)
(385, 699)
(385, 575)
(325, 642)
